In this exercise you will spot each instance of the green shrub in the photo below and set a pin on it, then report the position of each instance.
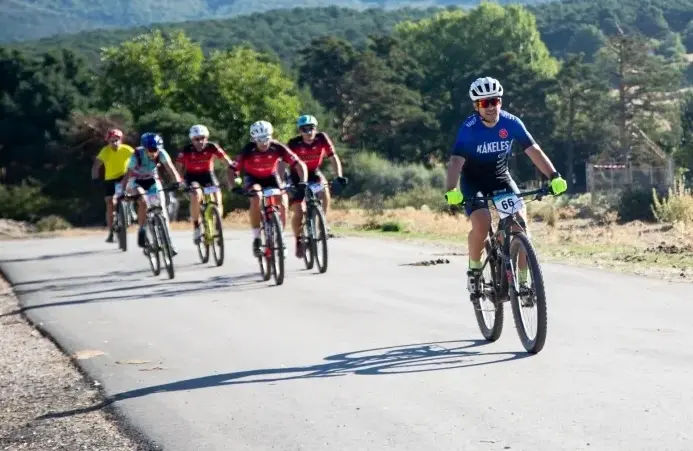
(634, 204)
(676, 206)
(52, 223)
(23, 202)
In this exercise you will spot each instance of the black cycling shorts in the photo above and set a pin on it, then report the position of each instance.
(264, 182)
(313, 177)
(109, 186)
(203, 178)
(472, 188)
(145, 184)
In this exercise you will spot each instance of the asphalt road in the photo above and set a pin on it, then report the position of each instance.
(372, 355)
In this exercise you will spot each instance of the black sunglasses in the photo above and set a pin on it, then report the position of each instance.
(307, 128)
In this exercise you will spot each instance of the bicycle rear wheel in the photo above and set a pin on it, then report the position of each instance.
(217, 236)
(489, 309)
(164, 245)
(151, 249)
(528, 296)
(277, 249)
(307, 238)
(319, 239)
(264, 259)
(203, 244)
(122, 226)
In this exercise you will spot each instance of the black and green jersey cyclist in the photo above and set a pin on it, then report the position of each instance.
(480, 153)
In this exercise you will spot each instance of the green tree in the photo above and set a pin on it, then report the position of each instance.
(242, 86)
(579, 98)
(644, 82)
(453, 49)
(150, 72)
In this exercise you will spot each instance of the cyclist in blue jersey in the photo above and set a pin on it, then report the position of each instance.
(143, 177)
(480, 154)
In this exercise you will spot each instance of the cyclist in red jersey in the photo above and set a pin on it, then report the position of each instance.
(196, 160)
(312, 147)
(259, 161)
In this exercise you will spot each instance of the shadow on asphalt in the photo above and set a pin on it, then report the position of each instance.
(157, 289)
(413, 358)
(55, 256)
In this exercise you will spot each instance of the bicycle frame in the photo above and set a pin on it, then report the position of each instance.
(509, 219)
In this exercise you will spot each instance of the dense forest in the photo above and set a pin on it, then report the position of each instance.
(392, 100)
(34, 19)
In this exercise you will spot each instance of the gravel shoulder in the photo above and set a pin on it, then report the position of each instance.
(37, 378)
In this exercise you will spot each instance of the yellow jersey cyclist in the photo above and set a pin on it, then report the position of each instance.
(143, 177)
(480, 154)
(114, 158)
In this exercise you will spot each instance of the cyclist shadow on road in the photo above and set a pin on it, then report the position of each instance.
(155, 289)
(413, 358)
(54, 256)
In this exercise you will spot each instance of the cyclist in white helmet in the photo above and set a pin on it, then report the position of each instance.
(196, 162)
(480, 154)
(259, 162)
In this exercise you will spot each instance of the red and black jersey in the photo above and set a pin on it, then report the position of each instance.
(196, 161)
(312, 154)
(263, 164)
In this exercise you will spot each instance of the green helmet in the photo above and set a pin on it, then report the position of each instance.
(306, 119)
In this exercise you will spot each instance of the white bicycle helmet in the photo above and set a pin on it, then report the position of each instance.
(261, 130)
(485, 87)
(198, 130)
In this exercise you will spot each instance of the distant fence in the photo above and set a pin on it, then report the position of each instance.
(616, 177)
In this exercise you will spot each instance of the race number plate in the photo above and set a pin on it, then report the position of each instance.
(118, 189)
(315, 187)
(210, 189)
(268, 192)
(154, 200)
(507, 204)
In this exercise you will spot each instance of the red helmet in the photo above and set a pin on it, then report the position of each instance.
(114, 133)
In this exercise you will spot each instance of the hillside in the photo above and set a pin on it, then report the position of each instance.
(282, 32)
(34, 19)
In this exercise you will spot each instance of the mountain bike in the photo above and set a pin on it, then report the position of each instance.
(503, 249)
(157, 239)
(271, 255)
(212, 231)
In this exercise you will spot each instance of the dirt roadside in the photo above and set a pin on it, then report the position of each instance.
(36, 379)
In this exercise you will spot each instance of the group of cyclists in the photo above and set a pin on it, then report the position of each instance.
(480, 154)
(264, 162)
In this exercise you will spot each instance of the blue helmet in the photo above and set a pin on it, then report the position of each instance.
(306, 119)
(152, 141)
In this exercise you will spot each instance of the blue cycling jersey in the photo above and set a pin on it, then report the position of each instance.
(486, 150)
(143, 166)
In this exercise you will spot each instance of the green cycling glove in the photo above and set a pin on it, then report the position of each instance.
(558, 184)
(454, 197)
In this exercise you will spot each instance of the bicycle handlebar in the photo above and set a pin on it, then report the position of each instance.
(538, 193)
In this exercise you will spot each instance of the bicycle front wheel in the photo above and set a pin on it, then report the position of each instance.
(277, 249)
(164, 244)
(217, 235)
(530, 295)
(151, 248)
(319, 239)
(122, 226)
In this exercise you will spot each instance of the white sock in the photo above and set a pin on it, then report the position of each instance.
(256, 233)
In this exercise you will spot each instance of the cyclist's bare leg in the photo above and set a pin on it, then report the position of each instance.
(254, 211)
(298, 211)
(481, 222)
(220, 205)
(324, 196)
(195, 201)
(522, 255)
(284, 207)
(109, 212)
(141, 208)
